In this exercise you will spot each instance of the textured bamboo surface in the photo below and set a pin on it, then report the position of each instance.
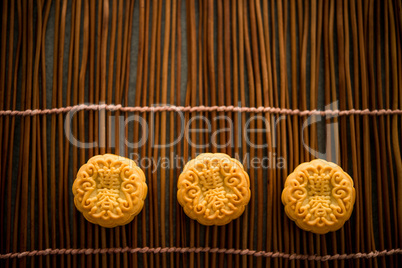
(146, 71)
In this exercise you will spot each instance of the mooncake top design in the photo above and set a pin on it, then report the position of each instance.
(319, 196)
(109, 190)
(213, 189)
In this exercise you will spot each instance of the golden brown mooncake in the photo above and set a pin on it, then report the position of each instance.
(110, 190)
(213, 189)
(319, 196)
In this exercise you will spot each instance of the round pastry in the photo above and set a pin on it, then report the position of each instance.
(319, 196)
(110, 190)
(213, 189)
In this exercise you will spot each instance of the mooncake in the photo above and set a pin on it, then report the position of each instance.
(319, 196)
(109, 190)
(213, 189)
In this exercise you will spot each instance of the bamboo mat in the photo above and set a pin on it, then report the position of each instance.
(305, 79)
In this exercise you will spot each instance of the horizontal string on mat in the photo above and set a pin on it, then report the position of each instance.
(201, 108)
(89, 251)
